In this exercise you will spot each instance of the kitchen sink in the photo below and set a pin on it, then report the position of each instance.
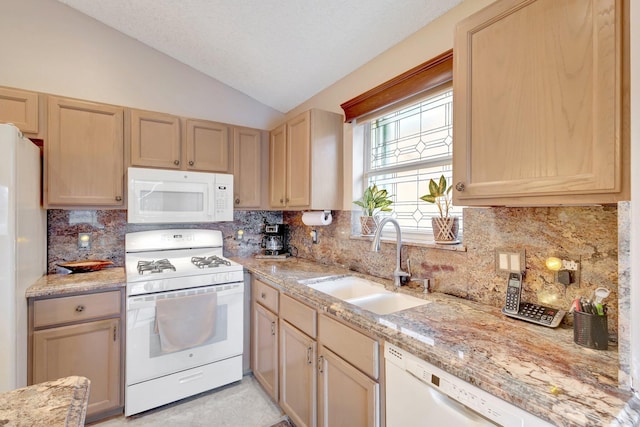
(365, 294)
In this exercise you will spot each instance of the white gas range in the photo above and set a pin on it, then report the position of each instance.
(184, 316)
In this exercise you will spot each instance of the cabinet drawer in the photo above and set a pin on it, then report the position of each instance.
(354, 347)
(76, 308)
(265, 295)
(299, 315)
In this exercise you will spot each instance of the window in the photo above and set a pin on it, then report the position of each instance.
(404, 148)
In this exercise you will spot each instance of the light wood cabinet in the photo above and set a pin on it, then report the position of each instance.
(264, 338)
(247, 168)
(539, 104)
(160, 140)
(297, 375)
(207, 147)
(21, 108)
(80, 335)
(346, 396)
(349, 376)
(155, 139)
(305, 162)
(84, 159)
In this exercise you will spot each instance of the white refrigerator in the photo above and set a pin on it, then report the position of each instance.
(23, 237)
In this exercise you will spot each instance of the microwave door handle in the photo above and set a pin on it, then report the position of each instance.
(212, 214)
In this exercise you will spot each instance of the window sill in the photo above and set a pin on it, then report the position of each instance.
(407, 242)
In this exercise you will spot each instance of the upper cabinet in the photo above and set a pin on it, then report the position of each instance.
(538, 108)
(19, 107)
(160, 140)
(247, 168)
(305, 162)
(84, 155)
(155, 139)
(207, 146)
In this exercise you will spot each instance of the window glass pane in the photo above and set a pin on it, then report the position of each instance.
(408, 147)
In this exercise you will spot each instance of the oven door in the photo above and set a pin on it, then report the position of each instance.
(146, 361)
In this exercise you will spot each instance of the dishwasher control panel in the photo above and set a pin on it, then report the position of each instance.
(466, 396)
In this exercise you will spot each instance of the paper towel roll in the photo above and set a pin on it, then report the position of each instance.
(317, 218)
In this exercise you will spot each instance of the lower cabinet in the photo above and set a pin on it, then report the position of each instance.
(264, 349)
(298, 375)
(322, 372)
(346, 396)
(80, 335)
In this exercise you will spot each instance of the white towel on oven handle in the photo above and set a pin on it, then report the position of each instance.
(186, 322)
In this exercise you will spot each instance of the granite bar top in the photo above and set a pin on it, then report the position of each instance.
(62, 402)
(539, 369)
(62, 284)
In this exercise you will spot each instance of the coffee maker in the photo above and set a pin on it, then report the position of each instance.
(274, 240)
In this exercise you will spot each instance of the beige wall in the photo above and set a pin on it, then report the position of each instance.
(49, 47)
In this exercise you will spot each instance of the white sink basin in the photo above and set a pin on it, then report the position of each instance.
(348, 287)
(388, 302)
(365, 294)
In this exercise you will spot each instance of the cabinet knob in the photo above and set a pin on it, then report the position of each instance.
(80, 308)
(263, 295)
(176, 162)
(460, 186)
(191, 163)
(237, 201)
(281, 201)
(118, 198)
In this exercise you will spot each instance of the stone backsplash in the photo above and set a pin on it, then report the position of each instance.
(587, 233)
(590, 233)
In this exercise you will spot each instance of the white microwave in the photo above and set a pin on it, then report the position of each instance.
(170, 196)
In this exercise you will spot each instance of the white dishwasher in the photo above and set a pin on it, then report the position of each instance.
(419, 394)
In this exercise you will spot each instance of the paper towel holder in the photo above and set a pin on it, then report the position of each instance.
(319, 218)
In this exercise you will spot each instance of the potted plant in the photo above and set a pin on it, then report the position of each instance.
(445, 227)
(373, 201)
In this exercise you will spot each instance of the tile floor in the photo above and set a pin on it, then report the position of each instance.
(241, 404)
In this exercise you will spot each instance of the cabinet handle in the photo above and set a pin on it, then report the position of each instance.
(287, 200)
(281, 201)
(176, 162)
(273, 328)
(263, 295)
(80, 308)
(237, 201)
(320, 363)
(118, 198)
(115, 330)
(460, 186)
(309, 350)
(191, 163)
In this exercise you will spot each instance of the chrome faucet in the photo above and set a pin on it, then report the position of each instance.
(375, 247)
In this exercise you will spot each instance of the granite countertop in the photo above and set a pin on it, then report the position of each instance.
(62, 402)
(536, 368)
(61, 284)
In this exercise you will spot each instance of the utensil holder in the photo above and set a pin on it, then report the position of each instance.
(590, 330)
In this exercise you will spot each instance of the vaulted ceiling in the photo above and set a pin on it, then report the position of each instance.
(279, 52)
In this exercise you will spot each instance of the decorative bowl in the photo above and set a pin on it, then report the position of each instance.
(85, 266)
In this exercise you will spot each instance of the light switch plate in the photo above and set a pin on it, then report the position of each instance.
(510, 261)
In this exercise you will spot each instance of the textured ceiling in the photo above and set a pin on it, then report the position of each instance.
(279, 52)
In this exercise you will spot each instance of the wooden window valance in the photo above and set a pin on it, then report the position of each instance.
(424, 77)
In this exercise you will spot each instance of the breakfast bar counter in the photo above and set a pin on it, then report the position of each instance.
(62, 402)
(539, 369)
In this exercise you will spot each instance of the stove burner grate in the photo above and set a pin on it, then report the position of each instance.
(209, 262)
(155, 266)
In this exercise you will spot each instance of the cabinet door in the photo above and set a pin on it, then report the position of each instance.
(346, 397)
(207, 146)
(88, 349)
(84, 159)
(19, 107)
(265, 349)
(299, 161)
(155, 139)
(537, 114)
(297, 375)
(247, 168)
(278, 167)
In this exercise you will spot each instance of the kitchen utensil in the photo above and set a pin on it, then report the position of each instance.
(86, 265)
